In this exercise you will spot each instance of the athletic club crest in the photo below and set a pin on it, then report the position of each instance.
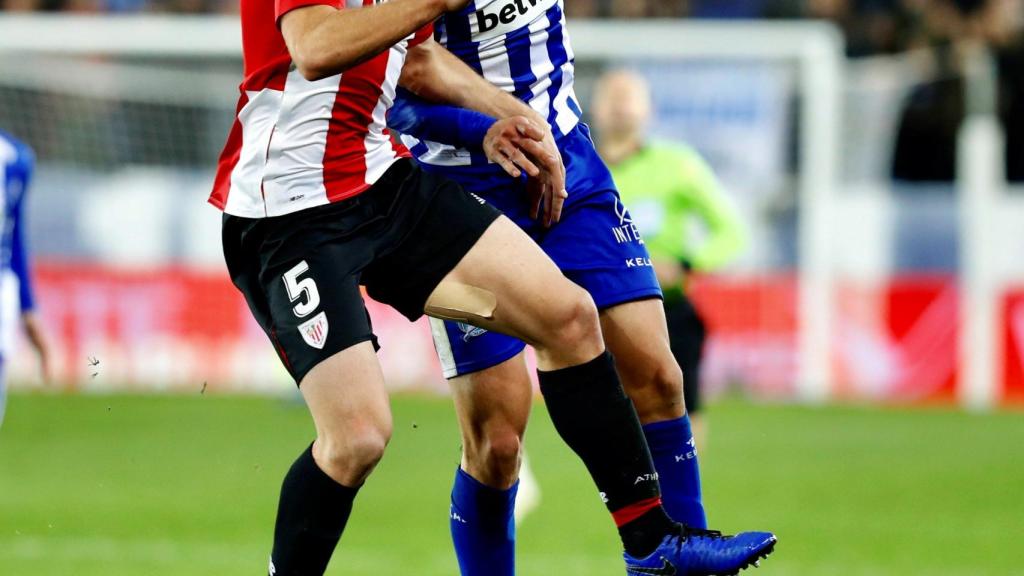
(314, 331)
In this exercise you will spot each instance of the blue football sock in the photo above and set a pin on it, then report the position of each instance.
(483, 528)
(675, 458)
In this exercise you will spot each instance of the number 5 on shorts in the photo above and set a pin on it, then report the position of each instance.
(297, 288)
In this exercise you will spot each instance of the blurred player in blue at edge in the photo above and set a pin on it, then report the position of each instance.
(523, 47)
(17, 301)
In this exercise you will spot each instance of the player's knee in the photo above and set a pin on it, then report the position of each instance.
(494, 459)
(503, 453)
(667, 382)
(368, 449)
(577, 326)
(657, 391)
(359, 456)
(351, 456)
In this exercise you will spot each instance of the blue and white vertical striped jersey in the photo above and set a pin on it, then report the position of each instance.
(520, 46)
(16, 165)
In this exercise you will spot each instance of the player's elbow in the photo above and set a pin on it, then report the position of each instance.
(316, 64)
(311, 74)
(315, 52)
(315, 58)
(420, 68)
(413, 77)
(313, 65)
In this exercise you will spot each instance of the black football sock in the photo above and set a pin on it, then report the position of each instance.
(643, 535)
(593, 415)
(311, 516)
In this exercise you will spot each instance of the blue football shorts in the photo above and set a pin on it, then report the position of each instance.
(595, 244)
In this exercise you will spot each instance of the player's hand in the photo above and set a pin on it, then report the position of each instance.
(508, 139)
(542, 193)
(548, 189)
(519, 145)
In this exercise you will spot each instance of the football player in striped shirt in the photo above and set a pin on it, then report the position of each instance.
(523, 47)
(17, 301)
(318, 199)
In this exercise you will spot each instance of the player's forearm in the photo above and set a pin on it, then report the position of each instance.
(504, 105)
(436, 75)
(438, 122)
(37, 336)
(33, 330)
(323, 41)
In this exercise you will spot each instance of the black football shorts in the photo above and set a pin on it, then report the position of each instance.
(300, 273)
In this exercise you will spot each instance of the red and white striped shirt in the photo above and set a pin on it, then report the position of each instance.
(297, 143)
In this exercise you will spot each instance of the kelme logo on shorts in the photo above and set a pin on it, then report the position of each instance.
(314, 331)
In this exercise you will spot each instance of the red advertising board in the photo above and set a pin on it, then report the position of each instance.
(1013, 347)
(178, 329)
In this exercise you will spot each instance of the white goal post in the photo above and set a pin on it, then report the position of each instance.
(815, 50)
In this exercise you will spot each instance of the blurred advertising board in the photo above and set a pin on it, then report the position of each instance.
(178, 329)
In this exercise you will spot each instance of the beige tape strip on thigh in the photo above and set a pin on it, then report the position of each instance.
(461, 302)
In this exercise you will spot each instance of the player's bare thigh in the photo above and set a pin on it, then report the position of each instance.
(493, 407)
(506, 283)
(637, 335)
(349, 404)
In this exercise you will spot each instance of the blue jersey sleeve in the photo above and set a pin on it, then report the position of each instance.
(420, 119)
(19, 174)
(20, 266)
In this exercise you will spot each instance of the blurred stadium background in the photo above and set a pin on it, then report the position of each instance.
(867, 351)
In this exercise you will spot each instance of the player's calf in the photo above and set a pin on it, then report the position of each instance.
(654, 382)
(636, 334)
(345, 394)
(586, 402)
(493, 406)
(311, 516)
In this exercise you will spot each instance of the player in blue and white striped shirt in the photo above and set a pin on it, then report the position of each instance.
(520, 46)
(523, 47)
(17, 302)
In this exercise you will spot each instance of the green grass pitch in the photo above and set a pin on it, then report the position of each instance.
(172, 485)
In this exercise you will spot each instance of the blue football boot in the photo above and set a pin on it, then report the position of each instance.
(694, 552)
